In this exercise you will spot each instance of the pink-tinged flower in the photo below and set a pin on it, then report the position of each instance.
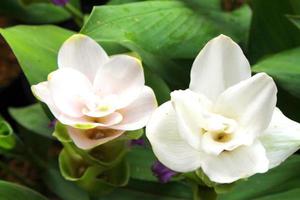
(97, 96)
(226, 123)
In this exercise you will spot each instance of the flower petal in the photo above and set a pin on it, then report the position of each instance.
(82, 53)
(230, 166)
(122, 76)
(71, 91)
(137, 114)
(219, 65)
(167, 144)
(42, 92)
(281, 139)
(88, 139)
(190, 110)
(251, 103)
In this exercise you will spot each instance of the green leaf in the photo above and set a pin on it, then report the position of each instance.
(295, 19)
(7, 137)
(284, 68)
(36, 120)
(37, 13)
(66, 190)
(11, 191)
(159, 86)
(36, 48)
(271, 31)
(282, 182)
(150, 190)
(154, 25)
(140, 161)
(160, 31)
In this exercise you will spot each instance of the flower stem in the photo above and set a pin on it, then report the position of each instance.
(203, 193)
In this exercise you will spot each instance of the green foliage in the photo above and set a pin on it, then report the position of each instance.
(44, 41)
(36, 12)
(279, 183)
(11, 191)
(140, 160)
(271, 31)
(166, 35)
(150, 190)
(160, 31)
(284, 68)
(36, 120)
(66, 190)
(7, 137)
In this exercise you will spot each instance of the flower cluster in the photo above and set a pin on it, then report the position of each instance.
(225, 123)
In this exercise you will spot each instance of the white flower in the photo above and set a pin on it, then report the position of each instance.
(97, 96)
(226, 123)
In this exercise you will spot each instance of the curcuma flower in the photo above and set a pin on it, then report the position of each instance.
(60, 2)
(97, 96)
(226, 123)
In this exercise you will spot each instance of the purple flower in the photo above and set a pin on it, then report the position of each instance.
(60, 2)
(163, 173)
(138, 142)
(52, 123)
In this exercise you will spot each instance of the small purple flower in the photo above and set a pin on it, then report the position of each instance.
(60, 2)
(163, 173)
(52, 123)
(137, 142)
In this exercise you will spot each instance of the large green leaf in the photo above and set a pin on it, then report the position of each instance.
(11, 191)
(36, 120)
(150, 190)
(282, 182)
(167, 28)
(271, 31)
(140, 161)
(295, 19)
(36, 48)
(66, 190)
(284, 67)
(41, 12)
(163, 30)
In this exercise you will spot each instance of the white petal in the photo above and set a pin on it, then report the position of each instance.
(42, 92)
(219, 65)
(82, 53)
(251, 103)
(109, 120)
(168, 146)
(281, 139)
(71, 91)
(88, 139)
(122, 76)
(230, 166)
(137, 114)
(190, 110)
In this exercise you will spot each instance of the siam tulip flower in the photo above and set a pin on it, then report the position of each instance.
(96, 96)
(60, 2)
(226, 123)
(163, 173)
(138, 142)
